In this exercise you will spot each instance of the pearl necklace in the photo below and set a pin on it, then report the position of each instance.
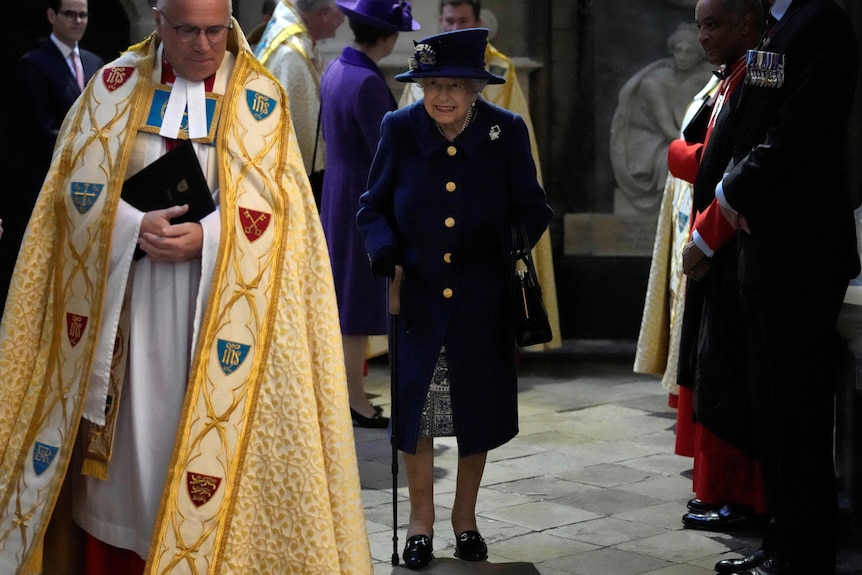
(470, 113)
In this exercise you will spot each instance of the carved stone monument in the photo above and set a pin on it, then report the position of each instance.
(649, 116)
(640, 67)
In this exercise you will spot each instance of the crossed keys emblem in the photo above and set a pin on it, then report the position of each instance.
(254, 223)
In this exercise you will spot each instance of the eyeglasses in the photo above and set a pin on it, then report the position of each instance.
(214, 34)
(72, 15)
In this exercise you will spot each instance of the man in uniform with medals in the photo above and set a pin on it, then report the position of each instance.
(783, 183)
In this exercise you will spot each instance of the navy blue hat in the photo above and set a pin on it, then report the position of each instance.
(456, 54)
(390, 15)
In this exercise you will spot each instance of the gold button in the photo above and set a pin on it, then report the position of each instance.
(449, 222)
(447, 293)
(451, 150)
(447, 257)
(450, 186)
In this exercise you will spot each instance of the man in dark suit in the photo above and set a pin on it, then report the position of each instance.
(786, 188)
(48, 81)
(48, 85)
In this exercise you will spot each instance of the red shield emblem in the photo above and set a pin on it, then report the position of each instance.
(75, 326)
(116, 77)
(201, 487)
(253, 223)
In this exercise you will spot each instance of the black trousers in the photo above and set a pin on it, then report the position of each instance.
(793, 357)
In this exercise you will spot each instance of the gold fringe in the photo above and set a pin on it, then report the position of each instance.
(95, 468)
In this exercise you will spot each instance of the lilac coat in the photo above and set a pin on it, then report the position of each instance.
(354, 98)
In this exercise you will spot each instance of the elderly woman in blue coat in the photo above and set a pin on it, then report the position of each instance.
(451, 175)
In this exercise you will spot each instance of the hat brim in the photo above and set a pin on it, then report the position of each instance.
(374, 22)
(450, 72)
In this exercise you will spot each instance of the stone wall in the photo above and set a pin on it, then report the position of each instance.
(573, 57)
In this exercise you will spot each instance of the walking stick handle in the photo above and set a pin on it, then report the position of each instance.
(395, 291)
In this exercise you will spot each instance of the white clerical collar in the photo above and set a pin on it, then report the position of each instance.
(779, 8)
(186, 95)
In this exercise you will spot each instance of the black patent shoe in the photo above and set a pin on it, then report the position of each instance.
(470, 546)
(772, 566)
(698, 506)
(728, 518)
(376, 421)
(730, 566)
(417, 552)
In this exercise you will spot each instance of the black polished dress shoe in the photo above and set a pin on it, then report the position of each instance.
(728, 518)
(697, 506)
(470, 546)
(376, 421)
(417, 552)
(772, 566)
(730, 566)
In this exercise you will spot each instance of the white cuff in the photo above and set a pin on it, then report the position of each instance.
(701, 243)
(719, 195)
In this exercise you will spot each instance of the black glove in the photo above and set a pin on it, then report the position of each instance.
(383, 262)
(482, 245)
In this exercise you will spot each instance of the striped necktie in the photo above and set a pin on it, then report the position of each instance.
(79, 68)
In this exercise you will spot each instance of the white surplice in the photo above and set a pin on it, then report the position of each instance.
(167, 305)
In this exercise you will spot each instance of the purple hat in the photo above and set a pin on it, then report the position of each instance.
(390, 15)
(455, 54)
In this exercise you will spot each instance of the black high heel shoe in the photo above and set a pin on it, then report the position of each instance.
(417, 552)
(376, 421)
(470, 546)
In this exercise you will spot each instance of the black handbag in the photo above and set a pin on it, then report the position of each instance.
(531, 318)
(316, 181)
(315, 178)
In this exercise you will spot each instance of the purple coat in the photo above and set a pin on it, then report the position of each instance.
(354, 98)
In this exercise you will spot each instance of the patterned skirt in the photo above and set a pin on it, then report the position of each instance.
(436, 417)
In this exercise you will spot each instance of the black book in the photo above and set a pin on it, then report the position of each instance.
(172, 180)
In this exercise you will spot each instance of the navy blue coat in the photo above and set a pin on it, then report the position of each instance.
(433, 200)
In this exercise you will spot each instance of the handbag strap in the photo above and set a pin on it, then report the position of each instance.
(316, 137)
(521, 250)
(516, 246)
(520, 243)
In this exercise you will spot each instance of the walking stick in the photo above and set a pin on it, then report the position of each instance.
(394, 311)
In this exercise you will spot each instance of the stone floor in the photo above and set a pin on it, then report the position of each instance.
(590, 485)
